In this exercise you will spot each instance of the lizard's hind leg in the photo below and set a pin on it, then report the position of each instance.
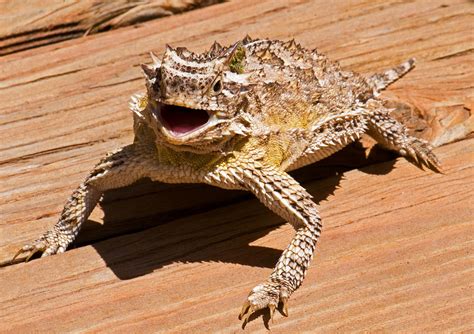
(393, 135)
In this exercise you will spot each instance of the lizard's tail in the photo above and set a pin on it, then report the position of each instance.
(380, 81)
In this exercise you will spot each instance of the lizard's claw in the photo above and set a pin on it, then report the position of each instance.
(31, 249)
(284, 302)
(272, 311)
(262, 296)
(43, 245)
(421, 153)
(246, 312)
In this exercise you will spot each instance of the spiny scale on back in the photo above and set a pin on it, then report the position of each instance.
(274, 94)
(239, 117)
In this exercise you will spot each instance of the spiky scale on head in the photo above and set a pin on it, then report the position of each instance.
(196, 97)
(215, 50)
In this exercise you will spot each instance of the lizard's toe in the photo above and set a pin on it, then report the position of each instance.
(421, 153)
(40, 245)
(31, 249)
(264, 295)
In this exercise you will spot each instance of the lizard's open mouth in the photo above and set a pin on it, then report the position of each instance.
(181, 120)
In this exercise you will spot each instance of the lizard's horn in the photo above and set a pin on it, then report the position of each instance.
(148, 71)
(156, 60)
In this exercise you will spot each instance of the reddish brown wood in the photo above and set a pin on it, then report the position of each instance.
(396, 253)
(34, 23)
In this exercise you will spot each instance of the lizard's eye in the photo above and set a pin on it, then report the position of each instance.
(217, 86)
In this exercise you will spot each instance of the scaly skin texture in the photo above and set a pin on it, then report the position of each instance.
(240, 117)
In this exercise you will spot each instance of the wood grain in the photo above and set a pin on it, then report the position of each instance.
(396, 253)
(30, 24)
(59, 117)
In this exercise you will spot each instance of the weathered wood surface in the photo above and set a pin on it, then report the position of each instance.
(395, 255)
(177, 257)
(29, 24)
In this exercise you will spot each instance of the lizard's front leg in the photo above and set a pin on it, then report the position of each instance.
(286, 197)
(117, 169)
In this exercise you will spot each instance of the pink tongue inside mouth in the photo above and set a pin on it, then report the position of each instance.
(182, 120)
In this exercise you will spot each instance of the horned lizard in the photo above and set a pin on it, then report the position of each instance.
(241, 117)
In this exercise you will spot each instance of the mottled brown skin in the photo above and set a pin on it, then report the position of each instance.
(240, 117)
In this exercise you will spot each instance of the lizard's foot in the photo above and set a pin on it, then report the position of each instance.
(268, 294)
(48, 244)
(421, 153)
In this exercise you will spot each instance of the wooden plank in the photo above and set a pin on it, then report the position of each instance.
(396, 255)
(64, 106)
(34, 23)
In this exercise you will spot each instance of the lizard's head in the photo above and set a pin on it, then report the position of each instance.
(195, 99)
